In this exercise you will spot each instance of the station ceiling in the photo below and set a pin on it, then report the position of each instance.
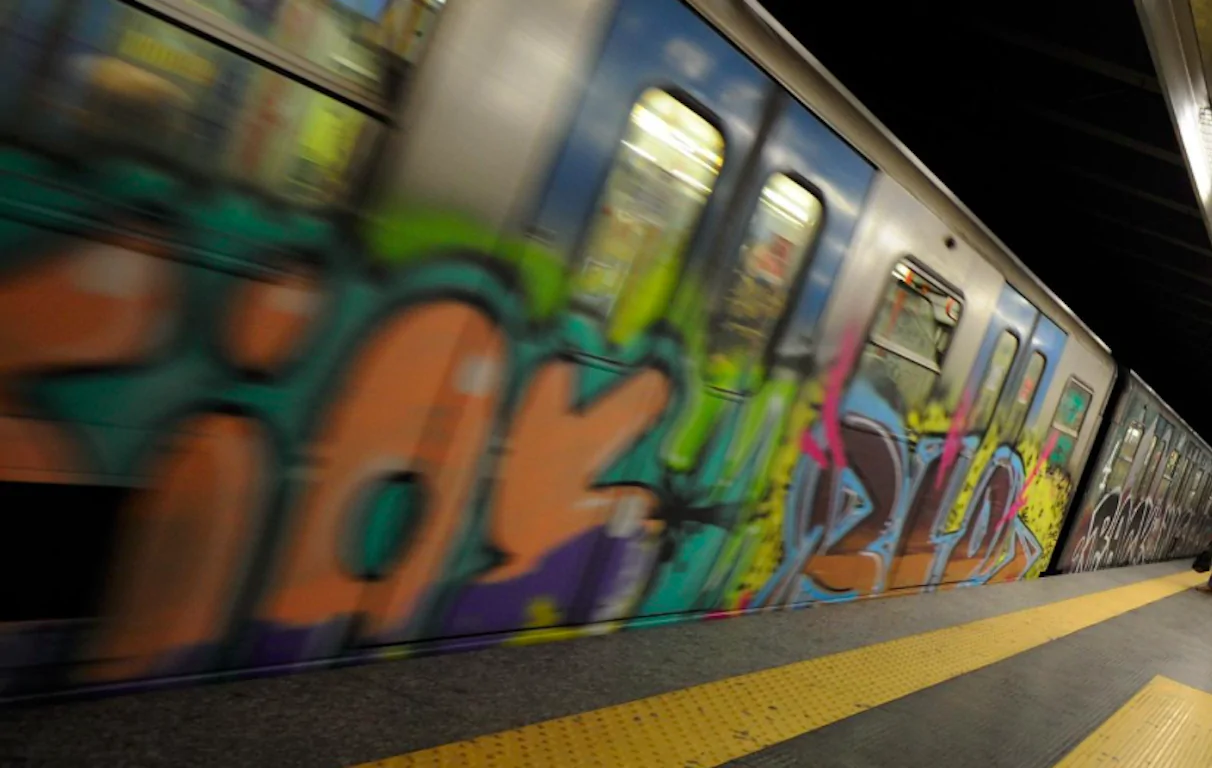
(1048, 121)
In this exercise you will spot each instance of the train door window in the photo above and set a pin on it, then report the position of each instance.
(1126, 454)
(1067, 421)
(909, 340)
(663, 173)
(781, 232)
(1023, 396)
(994, 381)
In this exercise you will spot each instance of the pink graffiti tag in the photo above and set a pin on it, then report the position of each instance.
(951, 445)
(831, 409)
(810, 446)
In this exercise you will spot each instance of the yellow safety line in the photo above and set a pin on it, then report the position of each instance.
(1165, 725)
(714, 723)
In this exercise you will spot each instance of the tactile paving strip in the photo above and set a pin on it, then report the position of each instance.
(1165, 725)
(711, 724)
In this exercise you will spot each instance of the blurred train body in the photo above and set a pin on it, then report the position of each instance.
(336, 331)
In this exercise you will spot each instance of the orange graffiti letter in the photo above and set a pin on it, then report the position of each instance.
(546, 493)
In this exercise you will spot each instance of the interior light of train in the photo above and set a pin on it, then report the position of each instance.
(659, 128)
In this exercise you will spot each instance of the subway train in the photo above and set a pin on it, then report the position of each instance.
(344, 330)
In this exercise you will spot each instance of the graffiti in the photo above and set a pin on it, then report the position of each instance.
(1123, 530)
(335, 439)
(870, 512)
(1144, 507)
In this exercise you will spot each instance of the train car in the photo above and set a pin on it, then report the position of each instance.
(363, 329)
(1148, 494)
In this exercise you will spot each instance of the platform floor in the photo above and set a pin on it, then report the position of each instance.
(1108, 668)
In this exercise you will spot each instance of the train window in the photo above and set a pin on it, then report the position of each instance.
(1183, 476)
(1170, 470)
(1194, 479)
(780, 234)
(1023, 396)
(662, 176)
(1196, 486)
(1067, 421)
(354, 40)
(129, 81)
(910, 337)
(1128, 446)
(1157, 450)
(1171, 464)
(994, 381)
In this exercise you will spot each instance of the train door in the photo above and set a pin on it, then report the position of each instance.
(983, 539)
(791, 222)
(1002, 351)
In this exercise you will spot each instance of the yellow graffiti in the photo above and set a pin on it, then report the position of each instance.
(932, 418)
(767, 522)
(1046, 497)
(980, 459)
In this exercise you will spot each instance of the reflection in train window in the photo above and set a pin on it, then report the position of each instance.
(1126, 454)
(1025, 393)
(995, 379)
(663, 174)
(1067, 421)
(910, 337)
(781, 231)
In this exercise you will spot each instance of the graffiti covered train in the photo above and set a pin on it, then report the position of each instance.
(619, 330)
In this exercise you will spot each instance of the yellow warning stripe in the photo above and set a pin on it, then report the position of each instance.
(714, 723)
(1165, 725)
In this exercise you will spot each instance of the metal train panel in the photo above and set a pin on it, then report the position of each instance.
(491, 102)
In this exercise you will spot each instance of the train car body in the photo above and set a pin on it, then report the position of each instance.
(632, 315)
(1148, 493)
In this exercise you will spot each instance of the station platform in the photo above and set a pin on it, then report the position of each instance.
(1106, 668)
